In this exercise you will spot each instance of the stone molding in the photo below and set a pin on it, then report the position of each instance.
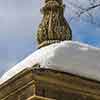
(49, 83)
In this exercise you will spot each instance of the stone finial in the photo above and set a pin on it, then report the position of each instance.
(59, 1)
(54, 27)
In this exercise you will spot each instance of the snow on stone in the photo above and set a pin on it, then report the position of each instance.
(68, 56)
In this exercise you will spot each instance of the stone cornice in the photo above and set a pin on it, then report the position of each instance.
(40, 79)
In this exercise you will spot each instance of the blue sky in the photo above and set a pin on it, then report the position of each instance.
(19, 20)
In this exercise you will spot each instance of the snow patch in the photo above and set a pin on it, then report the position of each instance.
(68, 56)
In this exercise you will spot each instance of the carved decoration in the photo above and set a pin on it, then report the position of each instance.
(54, 26)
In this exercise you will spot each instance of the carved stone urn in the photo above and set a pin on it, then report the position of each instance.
(53, 27)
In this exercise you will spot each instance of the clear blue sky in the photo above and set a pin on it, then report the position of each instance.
(19, 20)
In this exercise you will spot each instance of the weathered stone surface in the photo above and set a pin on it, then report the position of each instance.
(20, 86)
(45, 84)
(54, 26)
(39, 98)
(62, 86)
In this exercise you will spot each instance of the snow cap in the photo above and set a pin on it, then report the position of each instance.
(68, 56)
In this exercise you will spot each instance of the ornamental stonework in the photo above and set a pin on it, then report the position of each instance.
(54, 27)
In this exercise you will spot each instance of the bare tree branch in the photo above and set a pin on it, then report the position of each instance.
(89, 8)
